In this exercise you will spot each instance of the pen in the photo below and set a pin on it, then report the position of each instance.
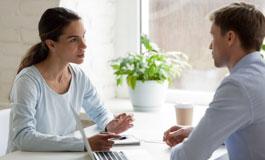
(123, 137)
(113, 139)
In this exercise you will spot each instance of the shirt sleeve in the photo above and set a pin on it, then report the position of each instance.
(228, 112)
(95, 108)
(24, 97)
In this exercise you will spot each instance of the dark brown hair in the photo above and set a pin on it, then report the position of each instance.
(244, 19)
(51, 26)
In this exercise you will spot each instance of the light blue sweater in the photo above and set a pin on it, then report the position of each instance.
(41, 119)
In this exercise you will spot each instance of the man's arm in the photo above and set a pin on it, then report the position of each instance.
(176, 134)
(229, 111)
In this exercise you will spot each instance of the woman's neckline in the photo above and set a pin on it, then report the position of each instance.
(51, 90)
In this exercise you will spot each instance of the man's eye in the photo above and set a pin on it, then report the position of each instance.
(73, 40)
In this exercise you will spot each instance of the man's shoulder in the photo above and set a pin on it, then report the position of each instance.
(250, 71)
(249, 79)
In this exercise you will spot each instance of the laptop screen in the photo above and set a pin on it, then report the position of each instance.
(80, 128)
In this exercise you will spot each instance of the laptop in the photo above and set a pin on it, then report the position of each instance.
(110, 155)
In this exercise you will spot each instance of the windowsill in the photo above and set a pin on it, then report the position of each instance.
(167, 111)
(200, 101)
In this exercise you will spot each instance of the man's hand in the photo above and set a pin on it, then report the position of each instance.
(120, 123)
(176, 134)
(102, 142)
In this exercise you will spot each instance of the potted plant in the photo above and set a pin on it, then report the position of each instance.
(148, 74)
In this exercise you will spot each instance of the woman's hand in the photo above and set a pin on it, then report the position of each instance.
(102, 142)
(176, 135)
(120, 124)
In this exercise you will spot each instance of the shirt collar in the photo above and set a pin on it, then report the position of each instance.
(247, 59)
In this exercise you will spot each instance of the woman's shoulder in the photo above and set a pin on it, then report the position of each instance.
(29, 73)
(79, 75)
(78, 72)
(75, 68)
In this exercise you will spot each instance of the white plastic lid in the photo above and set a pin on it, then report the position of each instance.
(184, 105)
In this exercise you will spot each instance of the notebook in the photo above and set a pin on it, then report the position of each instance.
(127, 140)
(96, 155)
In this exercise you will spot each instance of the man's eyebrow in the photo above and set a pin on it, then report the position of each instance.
(72, 36)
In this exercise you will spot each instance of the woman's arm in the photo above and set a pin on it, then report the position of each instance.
(24, 99)
(95, 108)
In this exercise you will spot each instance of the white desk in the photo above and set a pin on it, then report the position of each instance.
(151, 125)
(147, 125)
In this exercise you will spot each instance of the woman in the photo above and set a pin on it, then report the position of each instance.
(46, 84)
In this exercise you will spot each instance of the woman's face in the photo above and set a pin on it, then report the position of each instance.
(70, 48)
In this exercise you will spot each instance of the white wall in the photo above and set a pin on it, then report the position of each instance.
(127, 34)
(112, 30)
(99, 20)
(18, 31)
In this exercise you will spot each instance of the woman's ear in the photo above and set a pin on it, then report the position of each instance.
(50, 44)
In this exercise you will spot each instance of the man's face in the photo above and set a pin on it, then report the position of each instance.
(218, 47)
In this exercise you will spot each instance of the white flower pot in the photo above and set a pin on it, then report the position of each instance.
(148, 96)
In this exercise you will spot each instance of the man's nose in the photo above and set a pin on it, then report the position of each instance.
(211, 46)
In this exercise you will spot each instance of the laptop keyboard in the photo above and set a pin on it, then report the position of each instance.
(112, 155)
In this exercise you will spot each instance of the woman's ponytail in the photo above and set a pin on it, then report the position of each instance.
(35, 54)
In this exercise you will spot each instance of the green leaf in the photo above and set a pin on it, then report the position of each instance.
(115, 66)
(169, 81)
(133, 82)
(127, 72)
(263, 47)
(150, 65)
(129, 80)
(152, 71)
(117, 72)
(119, 80)
(145, 41)
(145, 77)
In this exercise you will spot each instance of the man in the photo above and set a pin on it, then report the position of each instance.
(236, 115)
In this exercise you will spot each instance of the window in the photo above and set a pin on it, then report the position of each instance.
(184, 26)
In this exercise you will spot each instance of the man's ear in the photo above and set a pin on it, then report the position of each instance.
(230, 37)
(50, 44)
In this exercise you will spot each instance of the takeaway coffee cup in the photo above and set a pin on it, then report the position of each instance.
(184, 113)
